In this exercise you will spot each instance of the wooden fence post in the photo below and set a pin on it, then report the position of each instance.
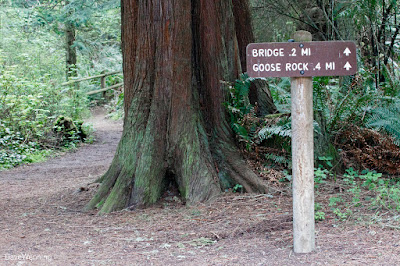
(303, 159)
(103, 83)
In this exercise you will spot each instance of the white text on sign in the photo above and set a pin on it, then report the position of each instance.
(292, 67)
(306, 59)
(280, 52)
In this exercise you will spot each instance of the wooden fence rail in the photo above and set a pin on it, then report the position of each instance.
(102, 77)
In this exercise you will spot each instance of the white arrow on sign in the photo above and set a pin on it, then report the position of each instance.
(347, 66)
(347, 51)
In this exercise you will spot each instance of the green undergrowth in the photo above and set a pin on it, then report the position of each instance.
(365, 197)
(339, 104)
(33, 119)
(33, 103)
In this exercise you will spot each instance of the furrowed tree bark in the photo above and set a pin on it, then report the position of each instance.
(259, 93)
(175, 55)
(244, 30)
(70, 56)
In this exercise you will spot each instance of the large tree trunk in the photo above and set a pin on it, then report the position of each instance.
(175, 55)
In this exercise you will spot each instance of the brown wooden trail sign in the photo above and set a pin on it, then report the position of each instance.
(301, 59)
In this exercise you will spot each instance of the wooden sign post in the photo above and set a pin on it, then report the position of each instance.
(302, 60)
(303, 159)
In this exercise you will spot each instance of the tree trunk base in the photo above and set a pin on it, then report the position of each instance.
(199, 177)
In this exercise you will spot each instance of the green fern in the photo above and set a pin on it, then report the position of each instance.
(275, 130)
(277, 135)
(238, 104)
(280, 92)
(238, 107)
(386, 119)
(342, 103)
(278, 159)
(241, 131)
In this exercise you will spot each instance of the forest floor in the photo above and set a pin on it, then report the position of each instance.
(42, 222)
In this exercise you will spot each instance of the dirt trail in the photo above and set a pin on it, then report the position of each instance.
(69, 170)
(42, 223)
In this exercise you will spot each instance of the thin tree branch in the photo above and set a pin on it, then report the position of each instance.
(391, 46)
(332, 24)
(385, 17)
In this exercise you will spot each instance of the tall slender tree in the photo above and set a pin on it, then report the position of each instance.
(176, 53)
(70, 48)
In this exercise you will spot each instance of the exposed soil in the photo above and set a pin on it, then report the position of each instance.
(42, 222)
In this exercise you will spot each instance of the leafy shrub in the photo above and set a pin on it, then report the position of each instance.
(13, 148)
(320, 175)
(68, 130)
(24, 105)
(386, 191)
(318, 215)
(28, 110)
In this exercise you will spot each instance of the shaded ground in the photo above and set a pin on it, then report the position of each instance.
(42, 223)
